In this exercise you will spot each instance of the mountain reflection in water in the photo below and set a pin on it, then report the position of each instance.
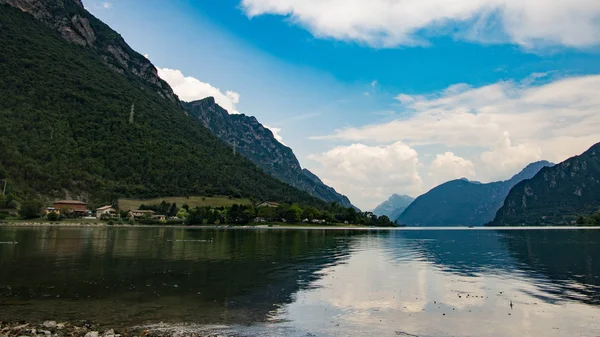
(303, 282)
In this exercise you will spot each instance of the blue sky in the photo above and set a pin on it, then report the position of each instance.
(380, 97)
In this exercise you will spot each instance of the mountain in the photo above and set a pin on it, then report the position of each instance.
(394, 206)
(257, 143)
(463, 203)
(556, 195)
(83, 115)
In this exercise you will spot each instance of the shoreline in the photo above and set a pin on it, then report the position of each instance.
(283, 227)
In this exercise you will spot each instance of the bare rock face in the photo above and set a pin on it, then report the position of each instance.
(556, 195)
(257, 143)
(78, 26)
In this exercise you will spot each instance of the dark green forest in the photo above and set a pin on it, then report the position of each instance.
(64, 127)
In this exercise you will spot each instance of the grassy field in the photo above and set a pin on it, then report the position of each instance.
(192, 201)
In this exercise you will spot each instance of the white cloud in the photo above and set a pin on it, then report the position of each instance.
(388, 23)
(405, 99)
(480, 117)
(505, 159)
(106, 5)
(190, 89)
(498, 129)
(147, 56)
(369, 174)
(448, 166)
(276, 133)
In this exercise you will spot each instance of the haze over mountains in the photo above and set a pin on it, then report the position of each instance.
(393, 206)
(463, 203)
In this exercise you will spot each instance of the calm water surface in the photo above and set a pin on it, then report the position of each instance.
(307, 282)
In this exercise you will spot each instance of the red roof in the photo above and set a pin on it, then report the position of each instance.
(71, 202)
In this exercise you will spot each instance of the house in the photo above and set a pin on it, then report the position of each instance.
(70, 205)
(106, 210)
(140, 213)
(268, 204)
(159, 217)
(75, 207)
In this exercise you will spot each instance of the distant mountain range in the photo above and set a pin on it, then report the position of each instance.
(463, 203)
(556, 195)
(257, 143)
(394, 206)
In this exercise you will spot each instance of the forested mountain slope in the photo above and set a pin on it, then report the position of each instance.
(556, 195)
(68, 128)
(258, 144)
(463, 203)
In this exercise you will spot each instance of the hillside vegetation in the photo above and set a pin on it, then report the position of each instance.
(463, 203)
(67, 127)
(567, 193)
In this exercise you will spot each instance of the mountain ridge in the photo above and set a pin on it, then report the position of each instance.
(463, 203)
(257, 143)
(71, 126)
(393, 206)
(555, 195)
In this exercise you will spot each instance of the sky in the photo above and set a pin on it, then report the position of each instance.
(386, 96)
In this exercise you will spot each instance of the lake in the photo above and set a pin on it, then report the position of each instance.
(306, 282)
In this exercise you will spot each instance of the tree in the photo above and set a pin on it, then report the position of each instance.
(293, 213)
(266, 212)
(31, 209)
(173, 210)
(182, 213)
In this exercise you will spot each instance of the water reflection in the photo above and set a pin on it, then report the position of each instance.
(308, 282)
(116, 276)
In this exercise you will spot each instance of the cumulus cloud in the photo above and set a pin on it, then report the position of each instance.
(106, 5)
(506, 158)
(276, 133)
(189, 89)
(448, 166)
(498, 128)
(389, 23)
(482, 117)
(369, 174)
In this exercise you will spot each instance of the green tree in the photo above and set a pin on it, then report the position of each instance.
(293, 213)
(31, 209)
(182, 213)
(173, 210)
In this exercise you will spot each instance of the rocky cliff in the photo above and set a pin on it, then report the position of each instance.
(76, 25)
(255, 142)
(67, 127)
(463, 203)
(556, 195)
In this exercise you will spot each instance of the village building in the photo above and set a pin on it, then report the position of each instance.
(268, 204)
(140, 213)
(106, 211)
(74, 207)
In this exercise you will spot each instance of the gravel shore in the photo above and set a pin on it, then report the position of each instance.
(87, 329)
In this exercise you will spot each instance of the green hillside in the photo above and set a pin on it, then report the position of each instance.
(65, 127)
(557, 195)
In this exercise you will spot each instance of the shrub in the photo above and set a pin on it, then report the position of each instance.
(31, 209)
(53, 216)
